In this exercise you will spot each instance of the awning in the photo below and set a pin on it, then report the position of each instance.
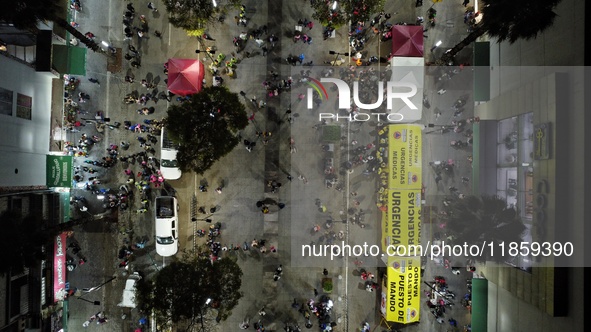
(69, 59)
(401, 220)
(185, 76)
(407, 40)
(401, 291)
(408, 71)
(479, 305)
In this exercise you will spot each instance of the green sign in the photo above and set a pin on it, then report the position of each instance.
(59, 171)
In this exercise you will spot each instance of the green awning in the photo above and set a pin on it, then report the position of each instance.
(64, 206)
(479, 305)
(476, 158)
(481, 71)
(69, 59)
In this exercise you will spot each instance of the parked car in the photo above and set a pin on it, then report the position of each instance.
(166, 219)
(169, 166)
(128, 298)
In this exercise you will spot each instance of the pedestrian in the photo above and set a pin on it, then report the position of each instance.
(152, 7)
(95, 81)
(218, 190)
(262, 311)
(438, 178)
(237, 19)
(279, 269)
(441, 91)
(325, 272)
(158, 33)
(465, 3)
(243, 94)
(244, 325)
(140, 33)
(315, 292)
(135, 64)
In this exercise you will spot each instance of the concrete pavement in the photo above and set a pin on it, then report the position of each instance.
(245, 173)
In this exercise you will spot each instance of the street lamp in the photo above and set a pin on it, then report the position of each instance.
(336, 54)
(92, 289)
(206, 219)
(436, 45)
(93, 302)
(208, 52)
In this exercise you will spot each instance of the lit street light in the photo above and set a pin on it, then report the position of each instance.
(436, 45)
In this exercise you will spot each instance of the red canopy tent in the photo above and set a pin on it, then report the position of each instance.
(185, 76)
(407, 40)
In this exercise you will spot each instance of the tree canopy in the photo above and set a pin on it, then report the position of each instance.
(509, 20)
(355, 11)
(190, 14)
(205, 127)
(473, 220)
(186, 290)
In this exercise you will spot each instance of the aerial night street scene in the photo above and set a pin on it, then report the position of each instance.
(294, 165)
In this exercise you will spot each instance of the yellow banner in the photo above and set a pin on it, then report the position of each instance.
(401, 222)
(401, 297)
(404, 156)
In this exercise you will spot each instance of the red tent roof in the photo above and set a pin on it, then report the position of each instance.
(185, 76)
(407, 40)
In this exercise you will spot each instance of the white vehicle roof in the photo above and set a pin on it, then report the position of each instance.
(166, 225)
(168, 152)
(128, 300)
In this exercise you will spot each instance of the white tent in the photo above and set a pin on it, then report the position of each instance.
(409, 70)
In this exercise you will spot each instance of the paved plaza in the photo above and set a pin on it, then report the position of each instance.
(245, 174)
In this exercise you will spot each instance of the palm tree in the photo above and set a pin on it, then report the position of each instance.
(25, 14)
(473, 220)
(508, 20)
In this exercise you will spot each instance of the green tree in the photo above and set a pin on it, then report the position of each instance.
(25, 14)
(473, 220)
(190, 14)
(328, 14)
(508, 20)
(205, 127)
(187, 291)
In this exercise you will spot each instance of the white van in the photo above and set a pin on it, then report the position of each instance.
(169, 167)
(166, 221)
(128, 300)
